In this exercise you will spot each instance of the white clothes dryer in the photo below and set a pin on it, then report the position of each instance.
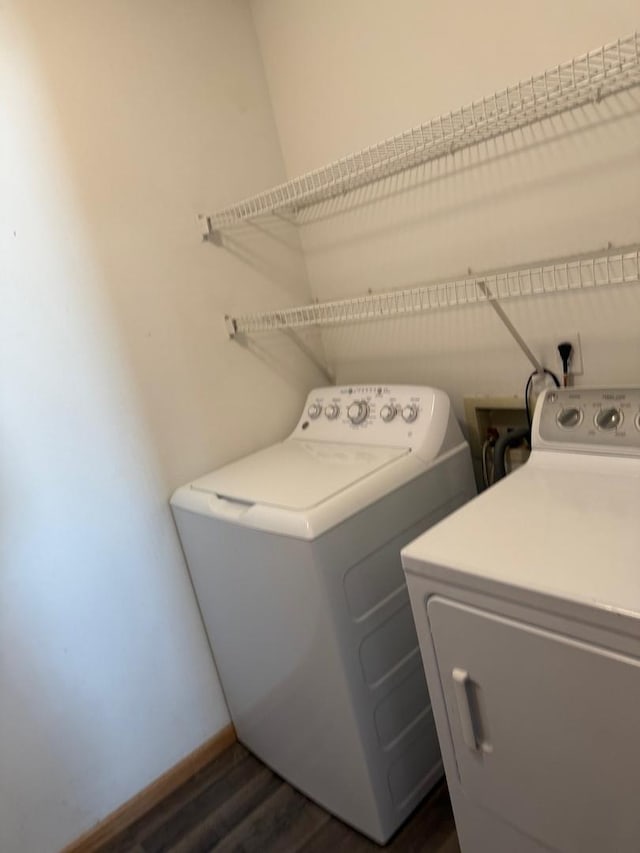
(294, 553)
(527, 604)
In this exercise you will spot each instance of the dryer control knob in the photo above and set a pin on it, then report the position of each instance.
(332, 411)
(314, 410)
(608, 419)
(410, 413)
(358, 412)
(388, 413)
(569, 418)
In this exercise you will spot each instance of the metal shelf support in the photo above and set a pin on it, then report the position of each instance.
(582, 80)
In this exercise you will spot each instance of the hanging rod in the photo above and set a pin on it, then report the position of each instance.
(578, 272)
(587, 78)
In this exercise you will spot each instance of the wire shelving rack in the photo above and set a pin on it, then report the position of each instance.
(584, 79)
(579, 272)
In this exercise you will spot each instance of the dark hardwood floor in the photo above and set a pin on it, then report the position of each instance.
(238, 804)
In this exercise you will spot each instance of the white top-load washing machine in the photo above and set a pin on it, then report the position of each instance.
(294, 553)
(527, 603)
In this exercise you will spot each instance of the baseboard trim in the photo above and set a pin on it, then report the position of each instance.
(141, 803)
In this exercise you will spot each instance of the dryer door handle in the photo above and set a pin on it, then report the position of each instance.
(461, 682)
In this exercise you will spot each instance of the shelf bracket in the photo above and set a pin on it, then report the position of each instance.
(209, 233)
(231, 326)
(515, 334)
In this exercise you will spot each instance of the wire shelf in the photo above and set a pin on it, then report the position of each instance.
(581, 272)
(587, 78)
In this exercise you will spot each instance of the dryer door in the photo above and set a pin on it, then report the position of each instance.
(545, 728)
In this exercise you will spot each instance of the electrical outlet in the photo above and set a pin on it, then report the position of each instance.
(575, 363)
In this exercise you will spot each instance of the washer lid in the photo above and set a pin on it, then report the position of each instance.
(297, 475)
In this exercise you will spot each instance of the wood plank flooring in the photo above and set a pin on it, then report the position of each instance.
(238, 804)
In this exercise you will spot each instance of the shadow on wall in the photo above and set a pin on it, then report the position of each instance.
(561, 186)
(150, 129)
(273, 251)
(489, 154)
(274, 350)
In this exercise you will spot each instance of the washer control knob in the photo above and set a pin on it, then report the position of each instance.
(569, 418)
(638, 421)
(332, 411)
(358, 411)
(409, 413)
(388, 413)
(608, 419)
(314, 410)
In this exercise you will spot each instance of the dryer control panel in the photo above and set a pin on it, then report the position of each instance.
(410, 416)
(605, 420)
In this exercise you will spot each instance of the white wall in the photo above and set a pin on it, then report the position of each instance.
(345, 75)
(120, 121)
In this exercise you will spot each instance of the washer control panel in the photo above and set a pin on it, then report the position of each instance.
(384, 415)
(597, 420)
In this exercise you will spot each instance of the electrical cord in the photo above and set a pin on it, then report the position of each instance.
(527, 390)
(565, 350)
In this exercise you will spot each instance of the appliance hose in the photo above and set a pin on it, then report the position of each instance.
(508, 439)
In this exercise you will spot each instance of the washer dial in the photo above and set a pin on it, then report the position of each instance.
(569, 418)
(358, 411)
(608, 419)
(314, 410)
(409, 413)
(388, 413)
(332, 411)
